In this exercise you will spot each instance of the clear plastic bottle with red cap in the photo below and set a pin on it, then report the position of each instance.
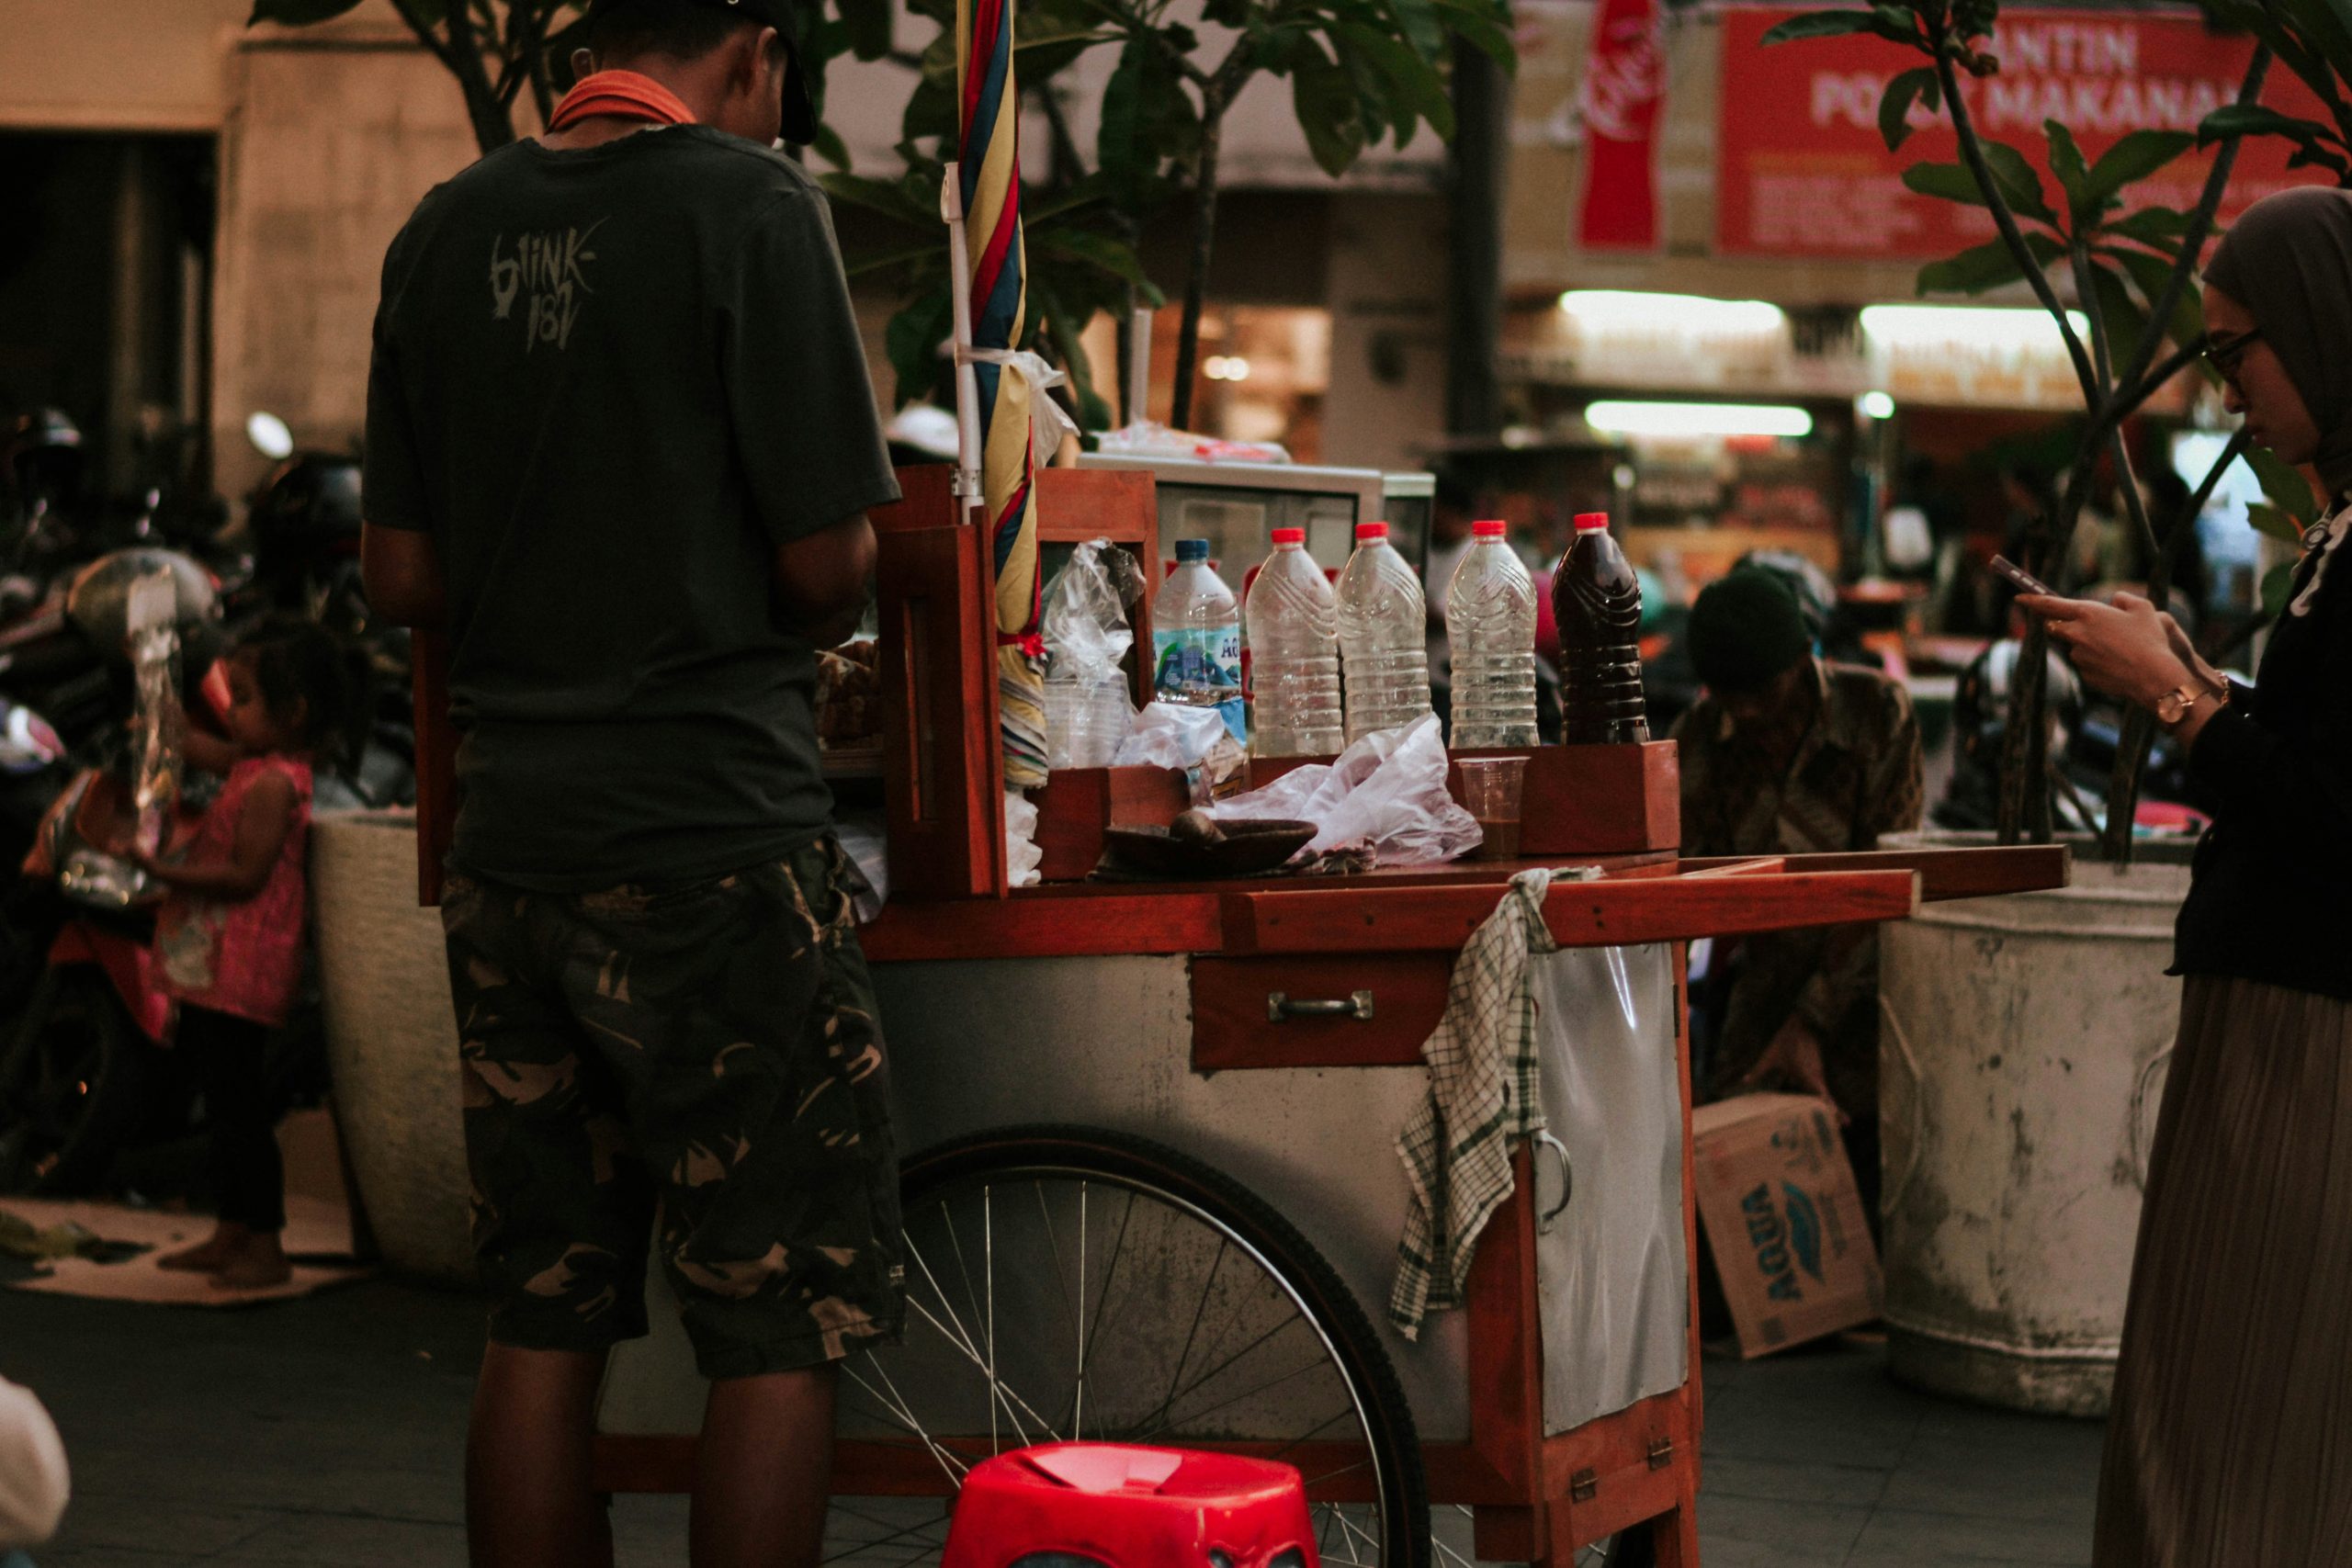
(1597, 602)
(1293, 655)
(1384, 637)
(1490, 627)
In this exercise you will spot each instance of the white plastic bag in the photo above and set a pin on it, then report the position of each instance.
(1087, 633)
(1385, 793)
(1170, 735)
(1021, 854)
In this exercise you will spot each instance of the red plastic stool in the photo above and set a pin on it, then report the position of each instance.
(1120, 1507)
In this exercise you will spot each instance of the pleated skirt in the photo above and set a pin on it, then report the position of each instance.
(2229, 1445)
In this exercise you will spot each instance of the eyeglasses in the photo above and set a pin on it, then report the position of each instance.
(2226, 354)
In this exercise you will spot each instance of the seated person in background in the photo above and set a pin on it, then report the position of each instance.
(1789, 754)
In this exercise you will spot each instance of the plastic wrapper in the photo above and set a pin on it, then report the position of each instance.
(1194, 741)
(1149, 438)
(1170, 735)
(1021, 855)
(1087, 633)
(1386, 792)
(157, 721)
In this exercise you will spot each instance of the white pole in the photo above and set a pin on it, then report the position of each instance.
(967, 486)
(1138, 365)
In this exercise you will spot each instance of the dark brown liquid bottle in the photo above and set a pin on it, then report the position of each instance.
(1597, 603)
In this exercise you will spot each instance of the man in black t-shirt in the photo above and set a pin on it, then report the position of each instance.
(621, 446)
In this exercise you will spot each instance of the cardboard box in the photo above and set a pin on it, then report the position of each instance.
(1783, 1222)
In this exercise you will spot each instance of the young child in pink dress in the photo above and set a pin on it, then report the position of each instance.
(230, 934)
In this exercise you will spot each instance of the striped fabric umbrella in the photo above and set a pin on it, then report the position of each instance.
(990, 171)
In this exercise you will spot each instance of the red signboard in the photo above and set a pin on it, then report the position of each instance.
(1624, 80)
(1801, 169)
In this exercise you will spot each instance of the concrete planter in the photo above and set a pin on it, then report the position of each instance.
(2023, 1044)
(391, 1040)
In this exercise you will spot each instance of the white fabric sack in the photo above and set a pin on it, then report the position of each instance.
(1170, 735)
(33, 1485)
(1386, 792)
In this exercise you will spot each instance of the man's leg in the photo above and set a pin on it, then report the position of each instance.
(762, 1472)
(530, 1502)
(562, 1210)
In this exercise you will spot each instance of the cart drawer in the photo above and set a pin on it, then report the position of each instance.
(1356, 1009)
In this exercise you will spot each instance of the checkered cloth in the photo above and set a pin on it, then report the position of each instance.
(1483, 1094)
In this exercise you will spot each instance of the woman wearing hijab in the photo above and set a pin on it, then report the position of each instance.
(2231, 1439)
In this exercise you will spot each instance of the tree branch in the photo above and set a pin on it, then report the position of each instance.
(2200, 223)
(1972, 150)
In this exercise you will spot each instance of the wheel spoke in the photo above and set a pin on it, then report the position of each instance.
(1191, 1268)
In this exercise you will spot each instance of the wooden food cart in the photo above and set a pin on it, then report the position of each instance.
(1149, 1132)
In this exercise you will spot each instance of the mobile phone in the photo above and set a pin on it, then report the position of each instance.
(2024, 579)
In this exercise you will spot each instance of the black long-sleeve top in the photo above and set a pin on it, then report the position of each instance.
(2270, 898)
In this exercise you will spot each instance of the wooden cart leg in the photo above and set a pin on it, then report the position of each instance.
(1673, 1537)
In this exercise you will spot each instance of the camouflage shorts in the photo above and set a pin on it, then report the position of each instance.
(700, 1066)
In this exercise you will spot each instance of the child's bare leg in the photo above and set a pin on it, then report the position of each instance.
(209, 1254)
(254, 1262)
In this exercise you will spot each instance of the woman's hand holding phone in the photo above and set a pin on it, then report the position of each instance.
(2126, 648)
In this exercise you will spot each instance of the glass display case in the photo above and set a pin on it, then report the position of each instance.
(1236, 506)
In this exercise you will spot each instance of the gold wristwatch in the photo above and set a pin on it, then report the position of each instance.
(2179, 703)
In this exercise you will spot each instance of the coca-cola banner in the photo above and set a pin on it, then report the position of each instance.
(1624, 80)
(1803, 171)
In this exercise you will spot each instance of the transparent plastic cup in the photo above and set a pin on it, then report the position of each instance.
(1493, 790)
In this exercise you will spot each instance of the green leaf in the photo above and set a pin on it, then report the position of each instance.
(2158, 227)
(912, 341)
(1983, 266)
(2258, 119)
(2021, 184)
(1418, 24)
(1835, 24)
(830, 146)
(1098, 251)
(2066, 163)
(2272, 523)
(1325, 102)
(870, 23)
(1916, 85)
(1483, 24)
(2278, 587)
(890, 198)
(2134, 159)
(2151, 275)
(1953, 182)
(299, 13)
(2285, 486)
(1413, 83)
(2122, 318)
(2313, 155)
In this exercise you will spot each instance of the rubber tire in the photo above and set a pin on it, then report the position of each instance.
(82, 1001)
(1098, 1152)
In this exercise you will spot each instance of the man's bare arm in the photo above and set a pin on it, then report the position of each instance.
(403, 572)
(821, 581)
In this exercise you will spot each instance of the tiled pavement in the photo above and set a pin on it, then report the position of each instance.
(326, 1433)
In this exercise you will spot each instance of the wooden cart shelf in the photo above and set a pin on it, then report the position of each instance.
(1651, 897)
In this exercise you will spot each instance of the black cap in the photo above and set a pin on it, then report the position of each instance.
(1744, 630)
(799, 126)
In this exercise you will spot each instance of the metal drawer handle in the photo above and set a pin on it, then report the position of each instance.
(1280, 1008)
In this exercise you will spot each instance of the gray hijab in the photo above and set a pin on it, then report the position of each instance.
(2288, 261)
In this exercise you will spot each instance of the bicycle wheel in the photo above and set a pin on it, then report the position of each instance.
(1067, 1282)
